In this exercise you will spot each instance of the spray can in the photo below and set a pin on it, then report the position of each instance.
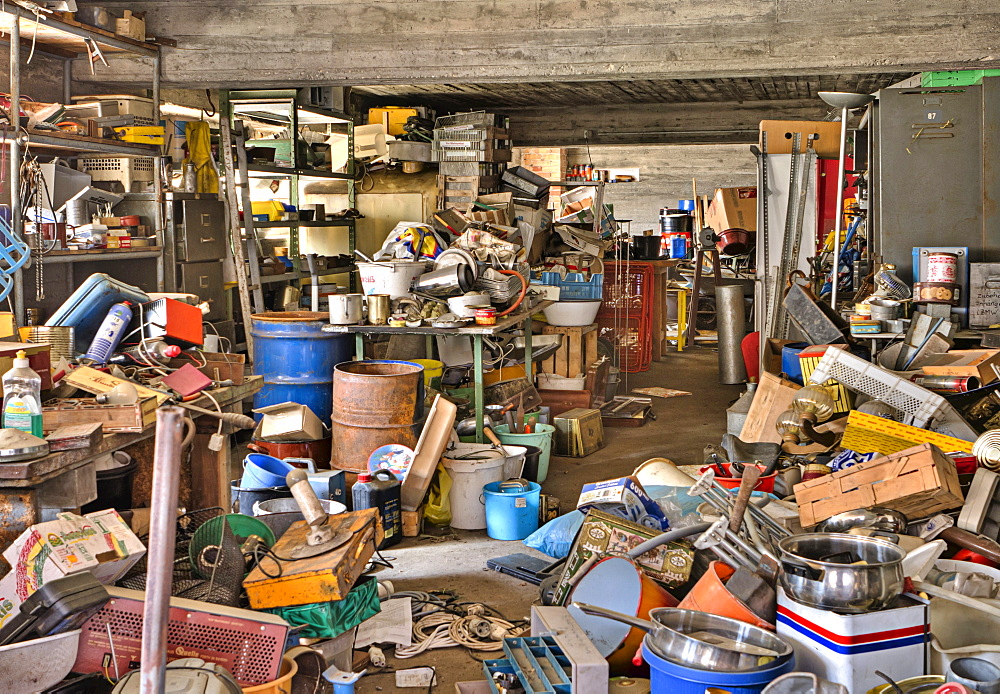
(110, 333)
(151, 349)
(381, 490)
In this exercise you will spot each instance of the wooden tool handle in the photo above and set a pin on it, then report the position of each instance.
(491, 435)
(751, 473)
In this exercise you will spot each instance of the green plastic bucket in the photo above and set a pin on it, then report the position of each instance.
(542, 438)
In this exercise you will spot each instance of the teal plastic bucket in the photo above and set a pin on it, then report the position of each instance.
(511, 509)
(542, 438)
(263, 471)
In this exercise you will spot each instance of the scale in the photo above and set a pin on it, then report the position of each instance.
(18, 445)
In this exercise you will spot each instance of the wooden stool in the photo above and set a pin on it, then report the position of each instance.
(578, 351)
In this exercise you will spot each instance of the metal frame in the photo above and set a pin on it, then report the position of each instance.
(66, 144)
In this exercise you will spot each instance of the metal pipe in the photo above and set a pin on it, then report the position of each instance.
(156, 87)
(839, 223)
(15, 154)
(750, 552)
(67, 80)
(731, 313)
(160, 557)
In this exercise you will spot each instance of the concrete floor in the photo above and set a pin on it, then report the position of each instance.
(456, 561)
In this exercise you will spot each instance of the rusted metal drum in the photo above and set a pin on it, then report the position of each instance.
(374, 403)
(318, 451)
(296, 359)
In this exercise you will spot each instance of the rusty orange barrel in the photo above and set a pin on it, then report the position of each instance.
(374, 403)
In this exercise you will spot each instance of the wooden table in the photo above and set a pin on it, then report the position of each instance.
(476, 332)
(661, 270)
(34, 491)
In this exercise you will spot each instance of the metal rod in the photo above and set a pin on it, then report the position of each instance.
(838, 224)
(67, 81)
(160, 557)
(742, 544)
(15, 155)
(156, 87)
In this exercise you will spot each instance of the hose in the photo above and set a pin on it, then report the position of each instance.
(520, 297)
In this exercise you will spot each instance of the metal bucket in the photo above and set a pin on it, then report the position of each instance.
(296, 359)
(374, 403)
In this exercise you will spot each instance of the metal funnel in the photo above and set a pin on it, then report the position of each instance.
(846, 99)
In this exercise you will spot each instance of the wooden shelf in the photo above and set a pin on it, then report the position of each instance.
(288, 225)
(67, 38)
(56, 142)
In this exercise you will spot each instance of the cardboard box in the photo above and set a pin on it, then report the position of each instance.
(733, 208)
(917, 482)
(92, 381)
(68, 412)
(606, 535)
(289, 421)
(540, 219)
(774, 395)
(843, 399)
(98, 542)
(623, 497)
(503, 213)
(771, 359)
(965, 362)
(39, 359)
(825, 136)
(581, 240)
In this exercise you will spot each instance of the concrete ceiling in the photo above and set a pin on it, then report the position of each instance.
(513, 95)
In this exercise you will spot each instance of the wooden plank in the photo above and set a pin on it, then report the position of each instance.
(774, 395)
(574, 357)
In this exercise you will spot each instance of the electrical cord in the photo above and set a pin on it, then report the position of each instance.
(449, 624)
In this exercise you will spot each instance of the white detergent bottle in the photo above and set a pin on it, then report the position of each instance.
(22, 401)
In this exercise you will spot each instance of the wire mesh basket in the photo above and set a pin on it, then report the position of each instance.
(470, 118)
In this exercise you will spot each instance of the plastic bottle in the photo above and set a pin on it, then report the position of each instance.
(381, 491)
(22, 401)
(152, 349)
(110, 333)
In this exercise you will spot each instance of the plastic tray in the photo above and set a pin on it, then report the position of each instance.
(539, 664)
(574, 286)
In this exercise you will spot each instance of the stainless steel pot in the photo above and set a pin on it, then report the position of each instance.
(704, 641)
(875, 518)
(445, 282)
(823, 570)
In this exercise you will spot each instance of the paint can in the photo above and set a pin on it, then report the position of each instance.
(942, 267)
(486, 316)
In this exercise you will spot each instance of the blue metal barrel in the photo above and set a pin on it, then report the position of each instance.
(296, 359)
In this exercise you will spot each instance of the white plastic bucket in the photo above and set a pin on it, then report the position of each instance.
(391, 277)
(958, 631)
(468, 477)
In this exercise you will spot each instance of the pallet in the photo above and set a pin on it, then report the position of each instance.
(462, 191)
(577, 353)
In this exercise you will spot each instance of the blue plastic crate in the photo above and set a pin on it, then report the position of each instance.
(574, 286)
(552, 670)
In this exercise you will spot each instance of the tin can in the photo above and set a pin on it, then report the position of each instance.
(486, 316)
(937, 293)
(814, 470)
(397, 320)
(948, 384)
(942, 267)
(863, 309)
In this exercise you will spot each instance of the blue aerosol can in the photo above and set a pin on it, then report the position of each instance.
(110, 333)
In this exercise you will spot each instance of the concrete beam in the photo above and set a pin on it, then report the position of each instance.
(696, 123)
(232, 43)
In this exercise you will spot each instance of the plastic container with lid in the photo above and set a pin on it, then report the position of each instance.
(381, 490)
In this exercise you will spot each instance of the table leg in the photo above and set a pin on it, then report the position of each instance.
(477, 374)
(429, 347)
(359, 347)
(659, 312)
(682, 310)
(210, 469)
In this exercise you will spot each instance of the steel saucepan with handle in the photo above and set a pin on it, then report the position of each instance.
(702, 640)
(846, 573)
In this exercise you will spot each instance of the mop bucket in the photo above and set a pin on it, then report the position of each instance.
(511, 509)
(262, 471)
(541, 438)
(710, 595)
(665, 676)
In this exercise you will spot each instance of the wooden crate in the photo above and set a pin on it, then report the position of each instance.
(462, 191)
(69, 412)
(578, 351)
(917, 482)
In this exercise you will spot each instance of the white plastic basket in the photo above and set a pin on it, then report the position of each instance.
(127, 170)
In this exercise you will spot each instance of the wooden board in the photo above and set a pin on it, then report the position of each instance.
(774, 395)
(577, 353)
(322, 578)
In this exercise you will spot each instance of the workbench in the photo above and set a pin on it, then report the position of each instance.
(476, 332)
(33, 491)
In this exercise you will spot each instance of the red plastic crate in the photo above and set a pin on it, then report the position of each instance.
(632, 337)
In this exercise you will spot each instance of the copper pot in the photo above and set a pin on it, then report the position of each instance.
(318, 450)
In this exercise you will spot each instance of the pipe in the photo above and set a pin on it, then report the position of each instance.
(160, 557)
(668, 536)
(15, 156)
(731, 313)
(839, 222)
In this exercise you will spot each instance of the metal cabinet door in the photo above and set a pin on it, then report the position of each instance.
(201, 231)
(205, 280)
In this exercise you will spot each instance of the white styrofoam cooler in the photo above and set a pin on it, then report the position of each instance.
(849, 648)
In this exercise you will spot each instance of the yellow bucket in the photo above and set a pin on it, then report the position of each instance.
(282, 685)
(433, 369)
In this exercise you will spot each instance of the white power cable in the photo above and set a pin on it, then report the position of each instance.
(447, 630)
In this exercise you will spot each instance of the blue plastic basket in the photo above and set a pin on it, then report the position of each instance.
(574, 287)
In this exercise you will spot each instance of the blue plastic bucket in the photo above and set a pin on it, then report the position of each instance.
(511, 509)
(665, 676)
(263, 471)
(790, 364)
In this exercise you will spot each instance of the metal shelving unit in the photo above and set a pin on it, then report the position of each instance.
(69, 40)
(279, 108)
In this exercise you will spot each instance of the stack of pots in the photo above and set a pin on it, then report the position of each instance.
(375, 403)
